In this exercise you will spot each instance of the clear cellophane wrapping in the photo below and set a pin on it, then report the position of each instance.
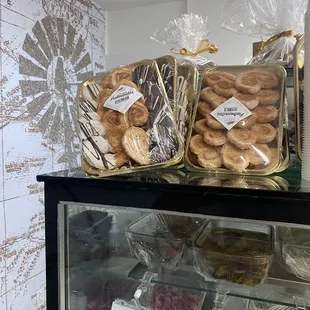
(264, 19)
(144, 137)
(254, 145)
(186, 32)
(295, 251)
(168, 68)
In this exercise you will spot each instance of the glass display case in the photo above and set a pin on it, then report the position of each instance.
(169, 239)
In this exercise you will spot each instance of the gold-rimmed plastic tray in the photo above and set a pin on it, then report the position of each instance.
(143, 138)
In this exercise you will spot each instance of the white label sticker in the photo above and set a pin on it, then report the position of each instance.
(198, 60)
(122, 99)
(230, 113)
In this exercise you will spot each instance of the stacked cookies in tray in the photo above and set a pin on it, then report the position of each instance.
(237, 125)
(151, 113)
(126, 122)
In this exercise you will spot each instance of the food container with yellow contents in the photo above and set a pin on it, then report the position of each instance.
(168, 68)
(237, 123)
(299, 61)
(235, 252)
(126, 123)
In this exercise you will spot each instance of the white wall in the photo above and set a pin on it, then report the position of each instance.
(129, 32)
(233, 48)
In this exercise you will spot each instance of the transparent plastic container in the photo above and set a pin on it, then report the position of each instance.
(237, 123)
(295, 251)
(154, 244)
(234, 252)
(119, 141)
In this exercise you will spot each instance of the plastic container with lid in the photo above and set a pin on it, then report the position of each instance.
(237, 123)
(236, 252)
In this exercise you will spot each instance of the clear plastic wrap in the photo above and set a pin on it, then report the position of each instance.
(187, 36)
(279, 22)
(237, 124)
(187, 84)
(168, 68)
(299, 62)
(295, 251)
(89, 236)
(126, 123)
(234, 252)
(160, 241)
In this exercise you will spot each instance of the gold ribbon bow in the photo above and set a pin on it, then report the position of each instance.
(288, 33)
(204, 46)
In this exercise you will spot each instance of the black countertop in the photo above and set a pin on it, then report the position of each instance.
(278, 198)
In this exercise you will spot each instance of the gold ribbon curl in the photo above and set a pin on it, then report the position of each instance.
(204, 47)
(283, 34)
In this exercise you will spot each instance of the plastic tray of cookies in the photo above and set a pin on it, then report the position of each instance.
(235, 252)
(299, 60)
(126, 123)
(237, 123)
(168, 68)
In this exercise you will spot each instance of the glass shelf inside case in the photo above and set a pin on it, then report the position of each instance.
(117, 257)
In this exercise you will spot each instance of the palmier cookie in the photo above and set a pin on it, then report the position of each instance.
(250, 101)
(201, 127)
(214, 137)
(266, 114)
(103, 96)
(242, 138)
(234, 159)
(209, 95)
(268, 96)
(248, 122)
(114, 137)
(193, 158)
(138, 114)
(265, 133)
(136, 143)
(225, 89)
(251, 82)
(210, 158)
(197, 145)
(111, 79)
(259, 154)
(112, 119)
(213, 78)
(204, 108)
(213, 123)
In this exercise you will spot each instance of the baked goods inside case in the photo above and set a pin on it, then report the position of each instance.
(237, 124)
(126, 123)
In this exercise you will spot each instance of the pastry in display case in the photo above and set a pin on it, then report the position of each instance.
(237, 124)
(126, 123)
(234, 252)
